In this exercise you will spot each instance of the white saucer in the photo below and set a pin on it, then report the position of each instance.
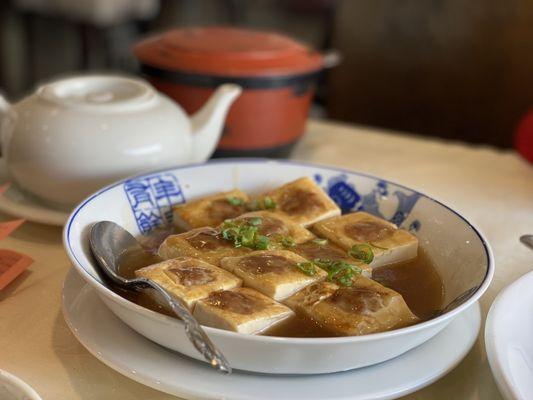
(19, 204)
(509, 339)
(136, 357)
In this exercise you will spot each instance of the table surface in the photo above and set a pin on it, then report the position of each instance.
(493, 188)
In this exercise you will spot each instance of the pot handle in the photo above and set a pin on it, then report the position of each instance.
(331, 58)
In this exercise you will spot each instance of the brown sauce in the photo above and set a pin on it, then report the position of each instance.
(368, 231)
(207, 241)
(312, 250)
(298, 326)
(357, 299)
(236, 302)
(416, 280)
(222, 209)
(264, 264)
(300, 201)
(272, 226)
(190, 276)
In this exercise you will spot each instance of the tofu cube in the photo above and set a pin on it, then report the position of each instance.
(363, 308)
(203, 243)
(274, 273)
(315, 249)
(189, 279)
(303, 201)
(277, 227)
(240, 310)
(389, 244)
(210, 210)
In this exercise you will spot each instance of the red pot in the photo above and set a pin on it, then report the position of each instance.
(277, 75)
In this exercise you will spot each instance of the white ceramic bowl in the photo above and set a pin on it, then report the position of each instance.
(461, 254)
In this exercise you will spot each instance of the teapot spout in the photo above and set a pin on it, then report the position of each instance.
(207, 124)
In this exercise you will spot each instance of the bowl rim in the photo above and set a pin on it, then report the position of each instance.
(17, 382)
(107, 292)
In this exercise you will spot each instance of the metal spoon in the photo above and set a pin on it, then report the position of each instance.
(527, 240)
(109, 242)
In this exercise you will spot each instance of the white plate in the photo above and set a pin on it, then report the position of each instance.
(14, 388)
(134, 356)
(19, 204)
(509, 339)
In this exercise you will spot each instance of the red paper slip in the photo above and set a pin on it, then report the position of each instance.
(7, 227)
(12, 264)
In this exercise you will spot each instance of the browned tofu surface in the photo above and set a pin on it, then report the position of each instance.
(303, 201)
(363, 308)
(241, 310)
(210, 210)
(205, 244)
(274, 273)
(189, 279)
(389, 244)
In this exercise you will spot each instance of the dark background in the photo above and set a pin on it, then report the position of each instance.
(452, 68)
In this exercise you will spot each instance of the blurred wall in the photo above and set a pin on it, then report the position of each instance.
(455, 69)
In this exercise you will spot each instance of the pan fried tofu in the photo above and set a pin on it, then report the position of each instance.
(189, 279)
(277, 226)
(203, 243)
(241, 310)
(303, 201)
(210, 210)
(274, 273)
(389, 244)
(363, 308)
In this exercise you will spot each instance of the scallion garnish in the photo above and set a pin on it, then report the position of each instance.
(262, 243)
(307, 267)
(255, 221)
(245, 233)
(287, 241)
(321, 242)
(235, 201)
(269, 203)
(338, 271)
(362, 252)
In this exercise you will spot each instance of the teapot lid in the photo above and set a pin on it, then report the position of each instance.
(224, 51)
(98, 93)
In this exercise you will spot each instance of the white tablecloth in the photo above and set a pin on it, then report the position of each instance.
(492, 188)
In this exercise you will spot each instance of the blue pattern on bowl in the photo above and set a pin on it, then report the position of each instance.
(151, 199)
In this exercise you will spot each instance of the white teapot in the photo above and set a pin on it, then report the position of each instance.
(78, 134)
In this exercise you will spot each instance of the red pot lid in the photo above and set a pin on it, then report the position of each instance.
(225, 51)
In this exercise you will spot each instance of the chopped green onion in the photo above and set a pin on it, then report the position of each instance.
(235, 201)
(269, 203)
(321, 242)
(362, 252)
(245, 233)
(255, 221)
(338, 271)
(287, 241)
(307, 267)
(262, 242)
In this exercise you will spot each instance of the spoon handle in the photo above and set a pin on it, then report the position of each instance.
(194, 331)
